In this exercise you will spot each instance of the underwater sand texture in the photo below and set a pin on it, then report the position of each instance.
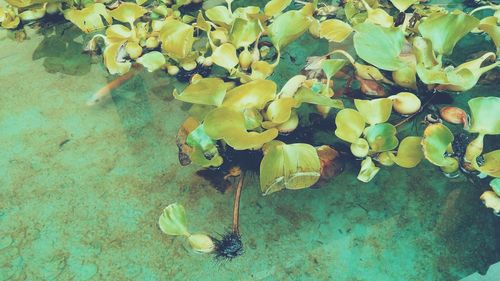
(81, 189)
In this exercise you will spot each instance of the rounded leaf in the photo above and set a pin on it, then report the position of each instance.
(374, 111)
(485, 115)
(173, 220)
(291, 166)
(350, 125)
(228, 124)
(225, 56)
(381, 137)
(437, 139)
(334, 30)
(389, 41)
(410, 152)
(208, 91)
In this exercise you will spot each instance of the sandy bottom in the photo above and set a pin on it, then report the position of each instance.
(82, 187)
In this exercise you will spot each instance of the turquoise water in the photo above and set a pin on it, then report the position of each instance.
(82, 187)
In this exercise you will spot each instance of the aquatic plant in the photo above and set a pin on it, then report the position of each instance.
(397, 50)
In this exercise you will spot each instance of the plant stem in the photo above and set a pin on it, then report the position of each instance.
(236, 203)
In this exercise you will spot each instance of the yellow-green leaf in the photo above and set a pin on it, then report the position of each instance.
(334, 30)
(208, 91)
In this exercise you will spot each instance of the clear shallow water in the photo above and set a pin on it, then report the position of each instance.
(81, 190)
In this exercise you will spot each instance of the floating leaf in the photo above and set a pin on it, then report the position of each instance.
(89, 18)
(128, 12)
(374, 111)
(152, 61)
(220, 15)
(306, 95)
(25, 3)
(112, 58)
(491, 200)
(291, 86)
(402, 5)
(381, 137)
(208, 91)
(350, 125)
(287, 27)
(360, 148)
(177, 38)
(254, 94)
(370, 37)
(332, 66)
(275, 7)
(244, 32)
(409, 152)
(495, 185)
(291, 166)
(118, 32)
(445, 29)
(280, 110)
(436, 142)
(205, 152)
(173, 220)
(228, 124)
(261, 70)
(225, 56)
(485, 120)
(485, 117)
(462, 78)
(490, 165)
(368, 170)
(335, 30)
(491, 27)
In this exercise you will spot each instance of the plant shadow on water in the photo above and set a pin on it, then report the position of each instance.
(61, 51)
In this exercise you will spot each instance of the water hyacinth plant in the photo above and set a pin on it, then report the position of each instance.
(397, 50)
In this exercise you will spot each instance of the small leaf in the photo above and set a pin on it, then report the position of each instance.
(306, 95)
(374, 111)
(89, 18)
(152, 61)
(402, 5)
(244, 32)
(128, 12)
(229, 125)
(381, 137)
(332, 66)
(173, 220)
(491, 165)
(291, 166)
(110, 54)
(177, 38)
(275, 7)
(409, 152)
(368, 170)
(225, 56)
(350, 125)
(335, 30)
(436, 142)
(254, 94)
(287, 27)
(485, 115)
(220, 15)
(208, 91)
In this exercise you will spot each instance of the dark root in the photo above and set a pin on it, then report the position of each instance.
(229, 246)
